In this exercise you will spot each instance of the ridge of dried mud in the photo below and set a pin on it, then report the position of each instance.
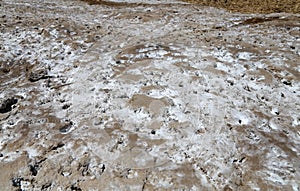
(147, 96)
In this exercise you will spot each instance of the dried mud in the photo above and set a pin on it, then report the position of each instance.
(253, 6)
(147, 96)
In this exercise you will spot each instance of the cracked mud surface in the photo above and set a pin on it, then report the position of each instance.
(145, 96)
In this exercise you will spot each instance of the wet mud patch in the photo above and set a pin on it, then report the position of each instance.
(152, 104)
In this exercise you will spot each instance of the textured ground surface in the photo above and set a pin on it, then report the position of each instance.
(144, 96)
(253, 6)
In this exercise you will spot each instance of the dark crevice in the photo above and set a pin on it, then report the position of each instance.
(16, 182)
(6, 105)
(33, 169)
(59, 145)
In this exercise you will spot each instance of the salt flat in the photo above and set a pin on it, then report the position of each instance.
(147, 95)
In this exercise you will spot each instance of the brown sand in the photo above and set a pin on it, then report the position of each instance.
(243, 6)
(253, 6)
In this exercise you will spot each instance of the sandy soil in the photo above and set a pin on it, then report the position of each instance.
(147, 96)
(253, 6)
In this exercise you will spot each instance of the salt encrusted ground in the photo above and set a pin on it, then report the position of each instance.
(147, 97)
